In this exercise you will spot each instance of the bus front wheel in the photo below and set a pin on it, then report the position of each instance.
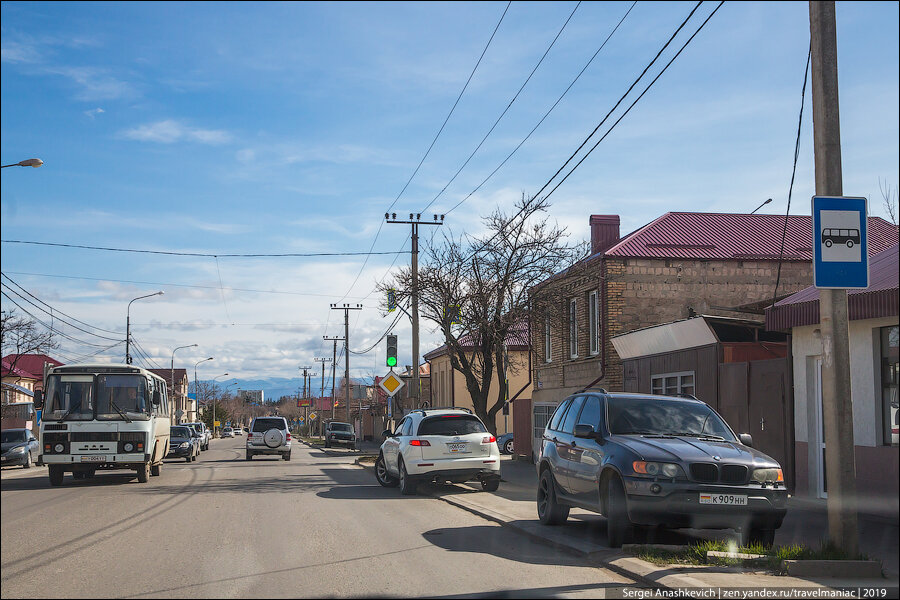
(56, 475)
(143, 473)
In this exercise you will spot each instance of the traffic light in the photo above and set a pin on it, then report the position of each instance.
(392, 351)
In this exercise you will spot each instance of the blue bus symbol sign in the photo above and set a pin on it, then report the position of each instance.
(840, 249)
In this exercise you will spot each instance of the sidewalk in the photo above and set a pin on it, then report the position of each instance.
(514, 506)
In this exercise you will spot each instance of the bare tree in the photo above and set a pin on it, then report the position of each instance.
(488, 278)
(21, 335)
(889, 200)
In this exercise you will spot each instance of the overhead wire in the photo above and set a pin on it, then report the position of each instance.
(431, 146)
(198, 254)
(41, 322)
(505, 110)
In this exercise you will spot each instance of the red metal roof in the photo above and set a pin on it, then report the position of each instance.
(726, 236)
(880, 299)
(516, 339)
(31, 364)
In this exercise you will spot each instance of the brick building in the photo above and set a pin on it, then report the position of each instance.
(675, 267)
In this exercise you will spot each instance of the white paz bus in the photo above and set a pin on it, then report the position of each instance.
(103, 417)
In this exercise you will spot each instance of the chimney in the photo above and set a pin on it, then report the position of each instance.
(604, 232)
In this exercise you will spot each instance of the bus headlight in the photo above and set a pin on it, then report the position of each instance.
(59, 447)
(129, 447)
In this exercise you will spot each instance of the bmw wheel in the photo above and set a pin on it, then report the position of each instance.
(550, 511)
(618, 526)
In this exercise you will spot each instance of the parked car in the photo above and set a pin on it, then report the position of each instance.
(227, 432)
(438, 445)
(184, 443)
(505, 443)
(19, 447)
(269, 435)
(644, 460)
(238, 430)
(340, 433)
(205, 433)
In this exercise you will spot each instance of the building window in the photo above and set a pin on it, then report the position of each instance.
(548, 348)
(573, 329)
(594, 321)
(541, 418)
(673, 383)
(889, 375)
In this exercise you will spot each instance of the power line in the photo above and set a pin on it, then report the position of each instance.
(546, 114)
(505, 110)
(185, 285)
(54, 311)
(534, 197)
(66, 336)
(793, 174)
(198, 254)
(427, 152)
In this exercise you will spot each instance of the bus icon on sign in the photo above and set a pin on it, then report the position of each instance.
(847, 237)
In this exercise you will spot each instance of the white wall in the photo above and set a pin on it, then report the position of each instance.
(864, 380)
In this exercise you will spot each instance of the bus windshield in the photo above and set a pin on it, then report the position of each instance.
(122, 397)
(70, 398)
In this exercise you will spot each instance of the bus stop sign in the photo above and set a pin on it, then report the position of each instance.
(840, 248)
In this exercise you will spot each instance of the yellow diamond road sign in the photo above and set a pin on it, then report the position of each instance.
(312, 416)
(391, 384)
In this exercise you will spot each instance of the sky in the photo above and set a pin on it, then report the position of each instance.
(273, 128)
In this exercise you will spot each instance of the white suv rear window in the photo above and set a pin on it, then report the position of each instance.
(451, 425)
(263, 425)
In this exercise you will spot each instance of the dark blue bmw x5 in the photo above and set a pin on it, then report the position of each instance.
(643, 460)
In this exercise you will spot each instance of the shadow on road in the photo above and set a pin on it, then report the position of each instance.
(499, 542)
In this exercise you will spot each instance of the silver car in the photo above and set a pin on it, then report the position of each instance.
(269, 435)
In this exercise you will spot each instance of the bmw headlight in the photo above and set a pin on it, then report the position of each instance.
(656, 469)
(185, 445)
(19, 450)
(768, 476)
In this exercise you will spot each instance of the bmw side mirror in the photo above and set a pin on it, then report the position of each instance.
(584, 431)
(38, 399)
(746, 439)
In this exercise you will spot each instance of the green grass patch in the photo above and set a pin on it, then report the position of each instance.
(695, 554)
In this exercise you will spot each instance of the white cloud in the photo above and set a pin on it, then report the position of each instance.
(170, 131)
(96, 84)
(94, 112)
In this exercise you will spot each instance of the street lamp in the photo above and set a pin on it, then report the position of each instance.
(215, 400)
(128, 325)
(172, 369)
(197, 385)
(761, 205)
(30, 162)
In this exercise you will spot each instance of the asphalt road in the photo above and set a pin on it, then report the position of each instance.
(224, 527)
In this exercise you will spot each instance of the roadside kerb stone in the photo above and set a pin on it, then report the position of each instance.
(845, 569)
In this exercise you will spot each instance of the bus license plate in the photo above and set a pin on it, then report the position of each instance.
(458, 447)
(723, 499)
(93, 459)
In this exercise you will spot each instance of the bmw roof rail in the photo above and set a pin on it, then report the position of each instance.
(688, 396)
(595, 389)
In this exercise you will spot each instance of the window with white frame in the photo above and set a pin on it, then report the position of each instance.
(673, 383)
(573, 329)
(594, 322)
(548, 348)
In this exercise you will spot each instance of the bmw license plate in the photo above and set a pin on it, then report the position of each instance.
(723, 499)
(93, 459)
(458, 447)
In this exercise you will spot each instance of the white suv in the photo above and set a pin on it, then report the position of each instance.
(438, 444)
(269, 435)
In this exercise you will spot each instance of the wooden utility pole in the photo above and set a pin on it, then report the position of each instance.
(837, 406)
(416, 390)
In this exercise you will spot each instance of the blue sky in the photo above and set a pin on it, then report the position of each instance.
(275, 128)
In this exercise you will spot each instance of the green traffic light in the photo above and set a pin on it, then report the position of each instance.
(392, 361)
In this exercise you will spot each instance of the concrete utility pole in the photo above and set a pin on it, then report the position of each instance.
(333, 368)
(347, 308)
(837, 405)
(322, 393)
(305, 396)
(416, 390)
